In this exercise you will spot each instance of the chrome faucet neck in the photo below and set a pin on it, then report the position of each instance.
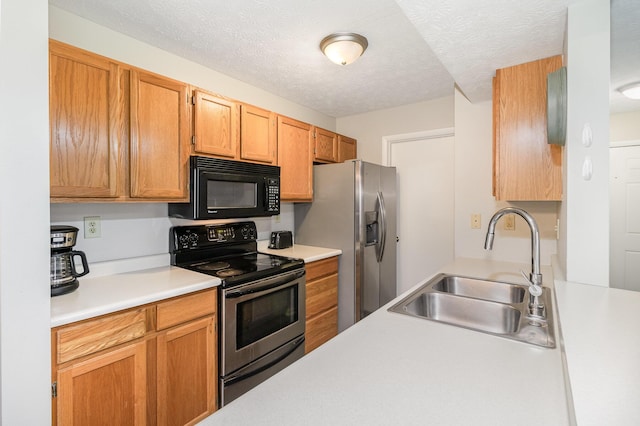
(535, 278)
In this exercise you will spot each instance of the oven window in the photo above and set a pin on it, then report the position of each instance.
(229, 194)
(264, 315)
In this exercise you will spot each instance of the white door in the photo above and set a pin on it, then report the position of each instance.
(625, 217)
(425, 205)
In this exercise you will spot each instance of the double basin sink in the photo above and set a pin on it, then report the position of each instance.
(492, 307)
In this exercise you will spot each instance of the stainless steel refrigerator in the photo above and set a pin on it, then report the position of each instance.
(354, 209)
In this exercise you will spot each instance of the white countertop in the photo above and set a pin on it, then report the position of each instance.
(118, 285)
(394, 369)
(307, 253)
(602, 346)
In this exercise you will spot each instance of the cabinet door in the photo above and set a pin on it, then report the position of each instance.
(295, 158)
(527, 168)
(320, 329)
(159, 137)
(347, 149)
(87, 123)
(108, 389)
(258, 135)
(187, 373)
(216, 125)
(326, 146)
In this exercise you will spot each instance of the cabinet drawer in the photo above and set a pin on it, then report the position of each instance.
(92, 336)
(185, 308)
(321, 268)
(322, 294)
(320, 329)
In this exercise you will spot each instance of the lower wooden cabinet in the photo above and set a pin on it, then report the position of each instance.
(155, 364)
(321, 303)
(186, 384)
(106, 389)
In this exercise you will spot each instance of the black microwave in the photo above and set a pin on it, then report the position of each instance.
(221, 189)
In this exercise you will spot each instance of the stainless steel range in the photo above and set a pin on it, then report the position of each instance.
(261, 301)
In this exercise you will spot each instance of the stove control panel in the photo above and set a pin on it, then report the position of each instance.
(199, 236)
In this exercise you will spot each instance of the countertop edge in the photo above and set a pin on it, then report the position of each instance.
(307, 253)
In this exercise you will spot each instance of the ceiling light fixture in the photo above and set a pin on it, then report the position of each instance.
(343, 48)
(631, 91)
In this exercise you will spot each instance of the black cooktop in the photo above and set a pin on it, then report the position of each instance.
(227, 251)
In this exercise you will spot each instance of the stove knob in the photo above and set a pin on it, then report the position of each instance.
(193, 239)
(183, 240)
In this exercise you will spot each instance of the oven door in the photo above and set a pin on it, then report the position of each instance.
(259, 317)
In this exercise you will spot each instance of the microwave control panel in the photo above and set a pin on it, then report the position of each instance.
(273, 194)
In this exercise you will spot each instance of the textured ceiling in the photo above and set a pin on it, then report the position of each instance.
(417, 49)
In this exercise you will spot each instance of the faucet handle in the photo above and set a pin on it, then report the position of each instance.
(534, 289)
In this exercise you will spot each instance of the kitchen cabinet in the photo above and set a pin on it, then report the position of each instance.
(525, 166)
(321, 302)
(116, 133)
(187, 361)
(258, 142)
(87, 123)
(232, 130)
(325, 146)
(347, 148)
(155, 364)
(295, 158)
(159, 152)
(216, 125)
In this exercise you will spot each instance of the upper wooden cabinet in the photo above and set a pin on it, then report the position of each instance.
(228, 129)
(325, 146)
(347, 149)
(160, 128)
(87, 123)
(115, 132)
(526, 167)
(216, 123)
(295, 158)
(258, 141)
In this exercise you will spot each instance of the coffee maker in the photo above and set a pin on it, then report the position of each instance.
(63, 269)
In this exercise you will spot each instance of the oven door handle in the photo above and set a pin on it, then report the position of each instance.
(267, 285)
(236, 377)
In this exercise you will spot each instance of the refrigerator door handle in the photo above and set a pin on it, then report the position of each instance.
(382, 223)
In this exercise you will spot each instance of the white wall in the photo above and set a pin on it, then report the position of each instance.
(142, 229)
(24, 214)
(473, 175)
(369, 128)
(584, 244)
(625, 126)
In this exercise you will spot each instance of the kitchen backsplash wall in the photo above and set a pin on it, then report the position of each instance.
(142, 229)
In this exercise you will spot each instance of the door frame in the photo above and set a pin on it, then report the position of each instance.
(389, 141)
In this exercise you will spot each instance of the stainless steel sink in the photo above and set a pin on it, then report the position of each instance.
(481, 289)
(478, 314)
(491, 307)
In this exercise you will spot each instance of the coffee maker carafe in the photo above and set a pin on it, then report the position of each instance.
(63, 269)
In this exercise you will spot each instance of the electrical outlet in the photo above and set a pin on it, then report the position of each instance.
(475, 221)
(92, 228)
(510, 222)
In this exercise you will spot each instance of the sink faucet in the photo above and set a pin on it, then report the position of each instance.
(536, 307)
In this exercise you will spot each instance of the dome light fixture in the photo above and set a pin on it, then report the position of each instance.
(631, 91)
(343, 48)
